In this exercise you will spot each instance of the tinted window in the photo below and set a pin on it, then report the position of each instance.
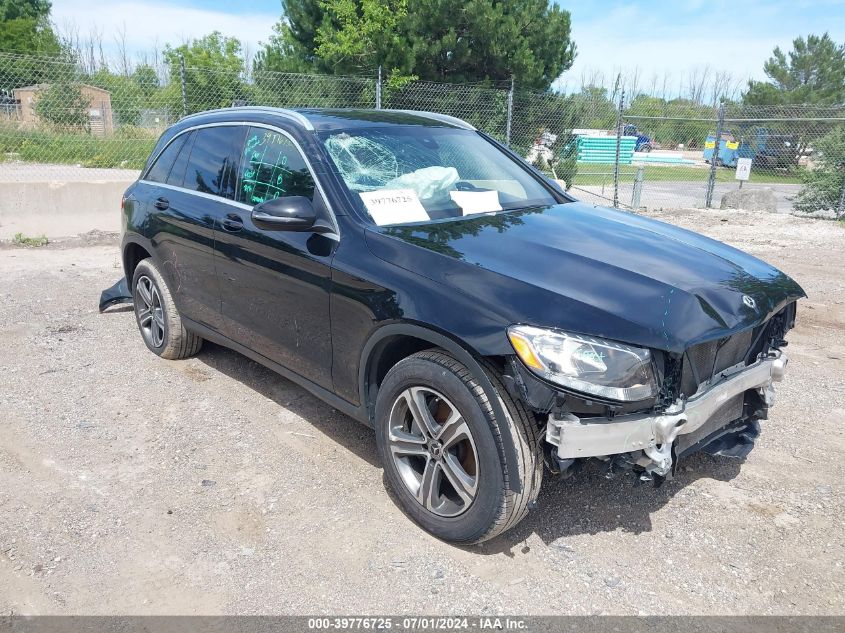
(158, 172)
(177, 172)
(213, 166)
(272, 167)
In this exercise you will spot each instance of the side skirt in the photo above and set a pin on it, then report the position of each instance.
(353, 411)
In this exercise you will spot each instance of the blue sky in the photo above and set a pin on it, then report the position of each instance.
(655, 38)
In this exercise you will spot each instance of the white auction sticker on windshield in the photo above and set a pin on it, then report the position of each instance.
(476, 201)
(394, 206)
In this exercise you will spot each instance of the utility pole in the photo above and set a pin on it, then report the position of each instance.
(841, 211)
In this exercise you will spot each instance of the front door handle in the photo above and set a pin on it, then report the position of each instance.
(161, 203)
(232, 223)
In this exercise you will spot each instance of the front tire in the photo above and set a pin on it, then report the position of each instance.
(158, 318)
(442, 449)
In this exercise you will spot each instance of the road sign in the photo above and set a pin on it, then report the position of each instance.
(743, 168)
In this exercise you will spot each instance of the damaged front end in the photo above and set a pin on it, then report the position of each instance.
(710, 399)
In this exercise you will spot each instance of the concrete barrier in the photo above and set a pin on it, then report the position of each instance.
(60, 209)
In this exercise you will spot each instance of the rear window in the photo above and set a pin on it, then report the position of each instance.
(177, 172)
(161, 167)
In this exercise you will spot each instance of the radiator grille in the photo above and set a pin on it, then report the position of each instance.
(705, 360)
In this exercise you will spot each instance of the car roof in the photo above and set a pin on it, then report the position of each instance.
(325, 119)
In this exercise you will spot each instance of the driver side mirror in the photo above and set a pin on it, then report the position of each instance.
(292, 213)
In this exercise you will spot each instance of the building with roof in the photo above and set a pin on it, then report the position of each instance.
(101, 121)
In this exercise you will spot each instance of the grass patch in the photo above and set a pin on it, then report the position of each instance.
(596, 174)
(24, 240)
(126, 149)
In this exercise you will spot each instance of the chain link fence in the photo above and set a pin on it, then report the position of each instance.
(58, 121)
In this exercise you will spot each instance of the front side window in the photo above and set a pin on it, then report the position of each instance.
(272, 167)
(213, 165)
(405, 174)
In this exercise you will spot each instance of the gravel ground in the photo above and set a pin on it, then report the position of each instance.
(129, 484)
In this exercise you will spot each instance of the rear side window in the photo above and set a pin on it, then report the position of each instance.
(213, 165)
(272, 167)
(161, 168)
(177, 172)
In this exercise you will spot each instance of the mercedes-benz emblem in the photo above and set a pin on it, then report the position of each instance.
(749, 302)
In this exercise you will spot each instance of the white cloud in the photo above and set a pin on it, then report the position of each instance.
(677, 38)
(676, 56)
(152, 24)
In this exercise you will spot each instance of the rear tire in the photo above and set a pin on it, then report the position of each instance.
(157, 317)
(454, 477)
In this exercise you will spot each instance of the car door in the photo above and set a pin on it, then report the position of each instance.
(182, 234)
(274, 284)
(195, 195)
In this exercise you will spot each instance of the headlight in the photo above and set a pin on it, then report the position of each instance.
(583, 363)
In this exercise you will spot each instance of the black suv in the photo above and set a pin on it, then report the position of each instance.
(419, 276)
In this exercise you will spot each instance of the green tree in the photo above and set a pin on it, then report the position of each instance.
(145, 77)
(529, 40)
(359, 35)
(292, 45)
(63, 105)
(436, 40)
(28, 9)
(25, 28)
(596, 110)
(812, 72)
(823, 185)
(126, 97)
(685, 121)
(214, 70)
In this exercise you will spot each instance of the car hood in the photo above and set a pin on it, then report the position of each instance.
(594, 271)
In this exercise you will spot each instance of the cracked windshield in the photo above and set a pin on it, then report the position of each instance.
(420, 174)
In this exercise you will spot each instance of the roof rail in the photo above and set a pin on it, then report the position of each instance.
(288, 114)
(436, 116)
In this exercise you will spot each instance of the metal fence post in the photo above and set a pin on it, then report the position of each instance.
(714, 161)
(509, 121)
(637, 192)
(184, 89)
(378, 90)
(618, 149)
(841, 211)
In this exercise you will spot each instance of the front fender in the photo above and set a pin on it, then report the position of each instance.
(463, 355)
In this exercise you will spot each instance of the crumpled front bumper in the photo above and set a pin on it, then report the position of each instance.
(118, 293)
(650, 437)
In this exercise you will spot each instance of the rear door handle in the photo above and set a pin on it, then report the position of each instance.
(161, 203)
(232, 223)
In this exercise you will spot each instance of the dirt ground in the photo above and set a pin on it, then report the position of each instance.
(129, 484)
